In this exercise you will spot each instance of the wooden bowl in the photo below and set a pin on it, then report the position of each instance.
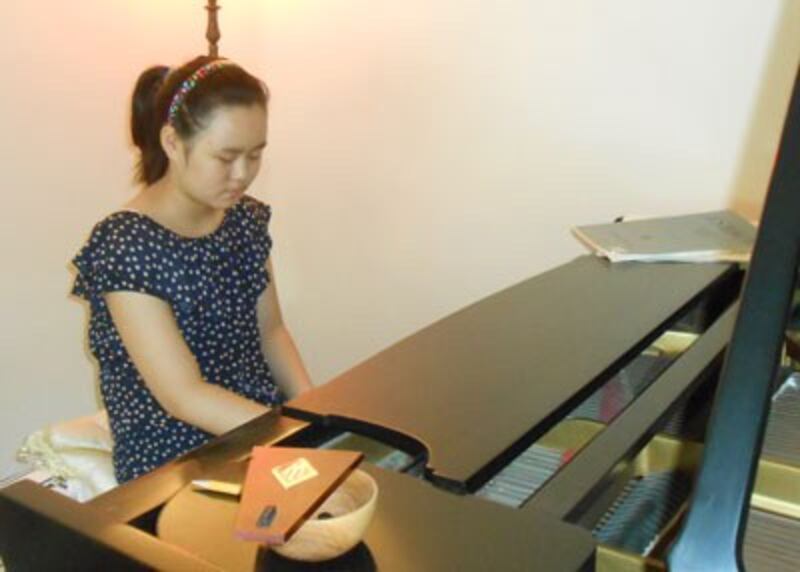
(338, 524)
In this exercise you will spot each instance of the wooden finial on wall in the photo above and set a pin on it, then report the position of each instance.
(212, 31)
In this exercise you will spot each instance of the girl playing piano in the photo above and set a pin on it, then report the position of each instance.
(185, 322)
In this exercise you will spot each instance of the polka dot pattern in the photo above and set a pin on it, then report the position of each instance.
(212, 284)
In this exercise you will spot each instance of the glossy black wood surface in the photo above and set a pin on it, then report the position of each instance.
(416, 528)
(502, 370)
(467, 387)
(43, 530)
(130, 501)
(570, 494)
(713, 535)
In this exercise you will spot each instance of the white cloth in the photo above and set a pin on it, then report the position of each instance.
(77, 451)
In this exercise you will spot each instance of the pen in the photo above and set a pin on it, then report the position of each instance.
(221, 487)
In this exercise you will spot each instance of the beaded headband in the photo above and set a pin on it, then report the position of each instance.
(189, 84)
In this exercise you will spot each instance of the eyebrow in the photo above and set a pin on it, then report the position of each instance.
(239, 150)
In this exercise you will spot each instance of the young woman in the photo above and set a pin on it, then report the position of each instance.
(185, 321)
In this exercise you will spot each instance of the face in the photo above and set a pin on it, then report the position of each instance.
(219, 163)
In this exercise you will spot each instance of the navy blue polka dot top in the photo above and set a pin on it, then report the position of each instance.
(212, 284)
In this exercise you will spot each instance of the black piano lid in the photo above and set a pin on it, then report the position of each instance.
(416, 527)
(546, 341)
(712, 536)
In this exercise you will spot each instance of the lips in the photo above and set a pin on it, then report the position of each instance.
(234, 194)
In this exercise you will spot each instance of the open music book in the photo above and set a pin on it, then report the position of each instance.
(719, 236)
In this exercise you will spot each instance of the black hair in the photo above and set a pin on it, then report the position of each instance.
(155, 88)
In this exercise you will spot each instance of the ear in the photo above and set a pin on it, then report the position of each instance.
(171, 142)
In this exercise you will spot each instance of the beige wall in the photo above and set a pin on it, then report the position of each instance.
(422, 154)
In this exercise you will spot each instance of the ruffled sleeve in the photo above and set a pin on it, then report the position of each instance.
(258, 242)
(120, 255)
(260, 214)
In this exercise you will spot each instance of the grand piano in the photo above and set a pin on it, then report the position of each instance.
(596, 417)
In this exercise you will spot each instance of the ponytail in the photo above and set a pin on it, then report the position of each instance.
(146, 125)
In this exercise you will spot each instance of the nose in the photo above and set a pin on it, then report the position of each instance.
(239, 171)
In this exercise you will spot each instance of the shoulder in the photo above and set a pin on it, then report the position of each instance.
(120, 225)
(112, 231)
(255, 210)
(250, 224)
(124, 234)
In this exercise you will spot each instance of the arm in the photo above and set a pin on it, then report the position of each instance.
(156, 346)
(277, 344)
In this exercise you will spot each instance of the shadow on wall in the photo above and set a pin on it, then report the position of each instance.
(757, 156)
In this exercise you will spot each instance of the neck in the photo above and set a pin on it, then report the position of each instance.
(168, 205)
